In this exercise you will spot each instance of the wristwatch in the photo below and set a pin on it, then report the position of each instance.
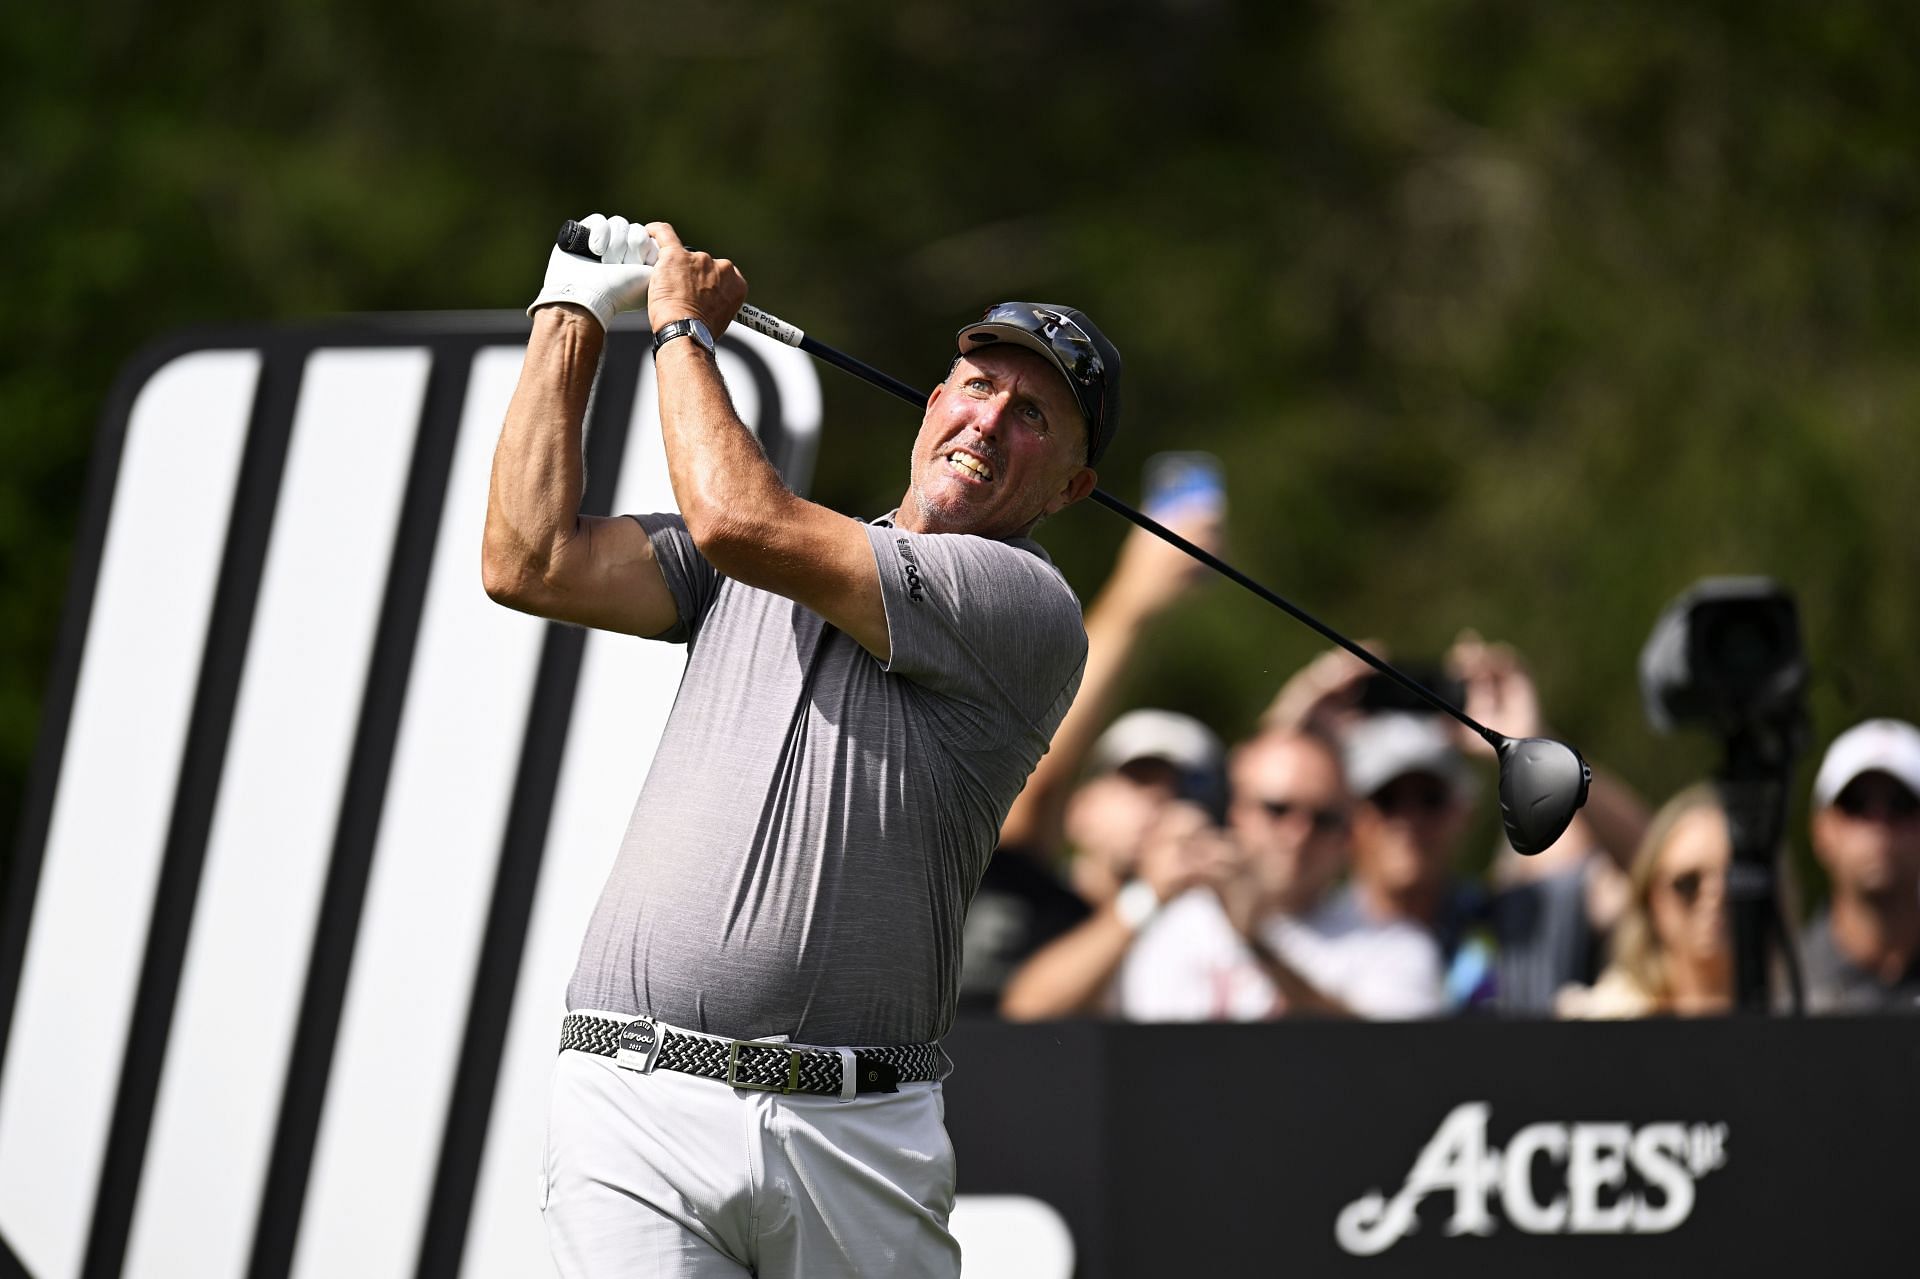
(695, 328)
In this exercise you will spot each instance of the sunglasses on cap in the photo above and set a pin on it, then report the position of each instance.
(1065, 342)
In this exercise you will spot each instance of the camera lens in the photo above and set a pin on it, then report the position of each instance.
(1741, 645)
(1726, 654)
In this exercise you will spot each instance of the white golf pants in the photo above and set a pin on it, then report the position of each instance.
(668, 1174)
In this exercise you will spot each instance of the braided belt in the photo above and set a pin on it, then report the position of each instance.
(641, 1043)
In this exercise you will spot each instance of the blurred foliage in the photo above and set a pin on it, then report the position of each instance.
(1503, 315)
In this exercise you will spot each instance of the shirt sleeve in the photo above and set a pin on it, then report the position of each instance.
(990, 627)
(693, 581)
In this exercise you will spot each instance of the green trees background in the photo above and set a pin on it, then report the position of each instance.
(1517, 316)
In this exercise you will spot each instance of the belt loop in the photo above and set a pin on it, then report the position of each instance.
(848, 1079)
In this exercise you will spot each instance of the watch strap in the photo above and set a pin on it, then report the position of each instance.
(682, 328)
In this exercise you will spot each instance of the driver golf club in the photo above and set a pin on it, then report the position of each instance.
(1543, 782)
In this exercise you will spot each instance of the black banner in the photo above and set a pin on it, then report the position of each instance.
(1524, 1148)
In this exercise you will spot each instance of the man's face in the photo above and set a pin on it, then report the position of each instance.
(1002, 444)
(1868, 838)
(1289, 815)
(1404, 833)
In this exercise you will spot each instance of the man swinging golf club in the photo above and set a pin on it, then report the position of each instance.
(750, 1077)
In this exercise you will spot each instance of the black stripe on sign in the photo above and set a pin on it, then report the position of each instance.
(522, 847)
(56, 709)
(337, 925)
(204, 759)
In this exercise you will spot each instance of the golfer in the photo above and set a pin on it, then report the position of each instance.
(749, 1078)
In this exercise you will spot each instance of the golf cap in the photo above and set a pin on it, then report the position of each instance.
(1071, 343)
(1180, 740)
(1890, 746)
(1380, 748)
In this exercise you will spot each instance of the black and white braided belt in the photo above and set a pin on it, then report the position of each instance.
(640, 1043)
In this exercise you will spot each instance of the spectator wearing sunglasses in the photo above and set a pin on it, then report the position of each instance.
(1505, 949)
(1671, 953)
(1267, 942)
(1221, 925)
(1862, 953)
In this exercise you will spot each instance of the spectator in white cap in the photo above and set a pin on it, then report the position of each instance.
(1145, 760)
(1417, 793)
(1862, 953)
(1510, 949)
(1541, 926)
(1157, 746)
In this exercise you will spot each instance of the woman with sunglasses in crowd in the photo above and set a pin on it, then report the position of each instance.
(1672, 954)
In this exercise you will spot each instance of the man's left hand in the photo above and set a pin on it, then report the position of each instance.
(616, 282)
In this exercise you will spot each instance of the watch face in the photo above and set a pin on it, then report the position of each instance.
(695, 329)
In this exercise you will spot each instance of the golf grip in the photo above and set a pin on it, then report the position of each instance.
(573, 238)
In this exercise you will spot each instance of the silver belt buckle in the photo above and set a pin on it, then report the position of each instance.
(639, 1045)
(792, 1083)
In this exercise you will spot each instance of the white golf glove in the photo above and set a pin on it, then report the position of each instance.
(615, 282)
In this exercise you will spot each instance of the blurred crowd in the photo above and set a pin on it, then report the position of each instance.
(1319, 867)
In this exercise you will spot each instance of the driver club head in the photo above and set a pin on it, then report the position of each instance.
(1542, 784)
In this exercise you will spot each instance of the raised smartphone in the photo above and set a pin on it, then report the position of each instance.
(1183, 482)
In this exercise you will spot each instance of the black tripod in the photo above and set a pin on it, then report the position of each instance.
(1753, 787)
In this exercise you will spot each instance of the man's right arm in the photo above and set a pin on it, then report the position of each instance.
(540, 555)
(1148, 579)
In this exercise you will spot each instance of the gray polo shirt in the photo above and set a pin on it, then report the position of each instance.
(815, 822)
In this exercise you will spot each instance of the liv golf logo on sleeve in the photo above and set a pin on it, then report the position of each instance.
(1590, 1178)
(314, 827)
